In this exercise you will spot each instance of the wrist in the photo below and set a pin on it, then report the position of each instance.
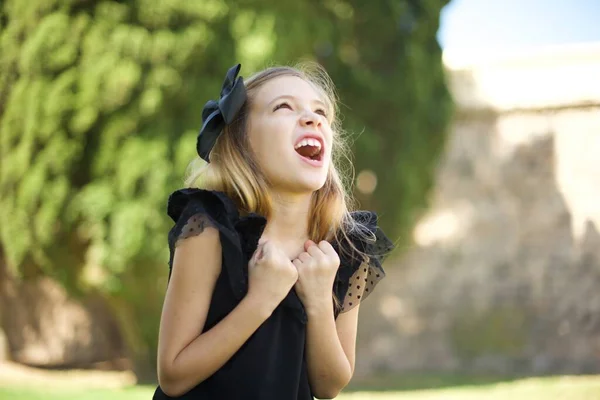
(319, 307)
(258, 305)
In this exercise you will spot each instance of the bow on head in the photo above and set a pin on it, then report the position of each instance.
(217, 114)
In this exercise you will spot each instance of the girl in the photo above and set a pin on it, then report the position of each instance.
(267, 265)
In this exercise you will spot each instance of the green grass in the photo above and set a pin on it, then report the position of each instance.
(132, 393)
(420, 381)
(551, 388)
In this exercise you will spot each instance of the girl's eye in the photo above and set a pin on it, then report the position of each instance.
(282, 105)
(319, 111)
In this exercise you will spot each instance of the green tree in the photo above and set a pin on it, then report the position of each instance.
(399, 97)
(99, 108)
(385, 61)
(100, 104)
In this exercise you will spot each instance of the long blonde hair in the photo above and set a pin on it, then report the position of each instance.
(234, 171)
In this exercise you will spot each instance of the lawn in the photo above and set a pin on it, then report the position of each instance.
(550, 388)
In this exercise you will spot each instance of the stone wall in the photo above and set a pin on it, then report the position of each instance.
(503, 275)
(40, 325)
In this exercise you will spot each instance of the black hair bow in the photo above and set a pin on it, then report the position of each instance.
(215, 115)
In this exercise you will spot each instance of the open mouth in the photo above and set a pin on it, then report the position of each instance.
(310, 149)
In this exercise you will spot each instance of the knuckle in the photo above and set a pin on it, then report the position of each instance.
(269, 255)
(335, 259)
(324, 245)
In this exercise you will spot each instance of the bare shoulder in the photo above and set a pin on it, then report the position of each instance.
(193, 253)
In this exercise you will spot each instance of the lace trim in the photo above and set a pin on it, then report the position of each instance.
(194, 226)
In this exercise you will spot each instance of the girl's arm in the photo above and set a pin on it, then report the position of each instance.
(330, 346)
(186, 357)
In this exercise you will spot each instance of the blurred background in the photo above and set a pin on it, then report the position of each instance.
(476, 128)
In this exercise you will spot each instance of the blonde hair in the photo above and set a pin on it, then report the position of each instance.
(234, 171)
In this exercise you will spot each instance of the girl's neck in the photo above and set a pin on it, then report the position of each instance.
(288, 223)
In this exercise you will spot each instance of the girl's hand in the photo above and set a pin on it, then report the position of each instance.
(271, 275)
(317, 267)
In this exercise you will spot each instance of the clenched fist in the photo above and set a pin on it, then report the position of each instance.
(317, 267)
(271, 275)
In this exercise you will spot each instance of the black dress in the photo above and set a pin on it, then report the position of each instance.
(271, 364)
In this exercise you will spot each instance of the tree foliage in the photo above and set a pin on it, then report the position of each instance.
(100, 104)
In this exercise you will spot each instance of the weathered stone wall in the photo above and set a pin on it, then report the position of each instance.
(504, 272)
(41, 326)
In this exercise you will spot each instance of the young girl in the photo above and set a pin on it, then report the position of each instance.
(268, 266)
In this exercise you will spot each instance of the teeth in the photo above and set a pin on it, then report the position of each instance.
(308, 142)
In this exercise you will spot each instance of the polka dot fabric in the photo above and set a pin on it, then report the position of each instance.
(192, 211)
(358, 275)
(194, 226)
(361, 284)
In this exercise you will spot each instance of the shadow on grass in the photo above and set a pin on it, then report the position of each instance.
(413, 381)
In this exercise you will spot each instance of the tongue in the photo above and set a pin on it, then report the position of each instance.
(308, 151)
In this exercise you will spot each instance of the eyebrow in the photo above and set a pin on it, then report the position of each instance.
(286, 96)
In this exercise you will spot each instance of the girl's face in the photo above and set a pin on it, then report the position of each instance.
(290, 135)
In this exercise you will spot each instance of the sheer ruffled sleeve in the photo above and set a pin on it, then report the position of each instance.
(190, 216)
(194, 225)
(361, 261)
(193, 210)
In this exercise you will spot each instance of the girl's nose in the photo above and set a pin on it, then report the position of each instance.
(310, 119)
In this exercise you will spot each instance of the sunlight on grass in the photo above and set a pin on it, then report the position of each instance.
(132, 393)
(555, 388)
